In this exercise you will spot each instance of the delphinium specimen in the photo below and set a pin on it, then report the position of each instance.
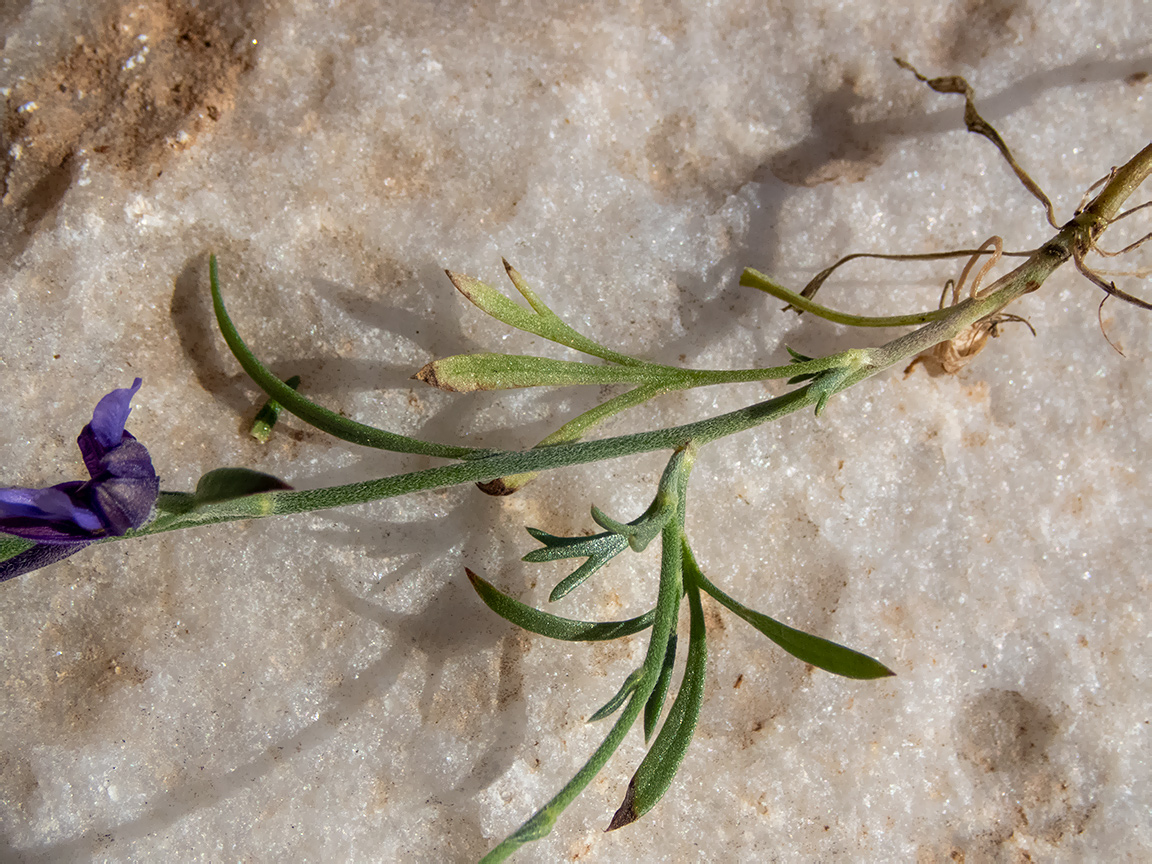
(122, 500)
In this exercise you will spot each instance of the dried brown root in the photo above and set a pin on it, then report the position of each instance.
(980, 126)
(950, 356)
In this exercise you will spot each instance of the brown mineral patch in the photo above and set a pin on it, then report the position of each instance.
(144, 84)
(974, 439)
(405, 166)
(672, 157)
(92, 661)
(378, 799)
(714, 621)
(978, 392)
(511, 685)
(1021, 789)
(605, 655)
(981, 26)
(681, 161)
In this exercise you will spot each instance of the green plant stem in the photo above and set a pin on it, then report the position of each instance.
(1116, 191)
(504, 464)
(842, 371)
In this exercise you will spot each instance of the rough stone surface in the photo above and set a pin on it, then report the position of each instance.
(327, 687)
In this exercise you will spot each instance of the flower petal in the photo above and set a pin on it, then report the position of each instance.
(124, 502)
(119, 497)
(57, 514)
(128, 459)
(123, 493)
(107, 427)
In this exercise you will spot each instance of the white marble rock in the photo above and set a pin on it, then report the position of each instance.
(327, 687)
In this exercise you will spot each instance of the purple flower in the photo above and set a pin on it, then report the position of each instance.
(71, 515)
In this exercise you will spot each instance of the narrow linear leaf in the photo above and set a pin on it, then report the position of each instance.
(613, 705)
(492, 302)
(663, 759)
(821, 653)
(655, 702)
(541, 321)
(309, 411)
(224, 484)
(553, 626)
(557, 548)
(576, 578)
(560, 332)
(527, 293)
(599, 549)
(467, 373)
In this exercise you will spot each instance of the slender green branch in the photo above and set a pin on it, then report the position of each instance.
(504, 464)
(667, 606)
(755, 279)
